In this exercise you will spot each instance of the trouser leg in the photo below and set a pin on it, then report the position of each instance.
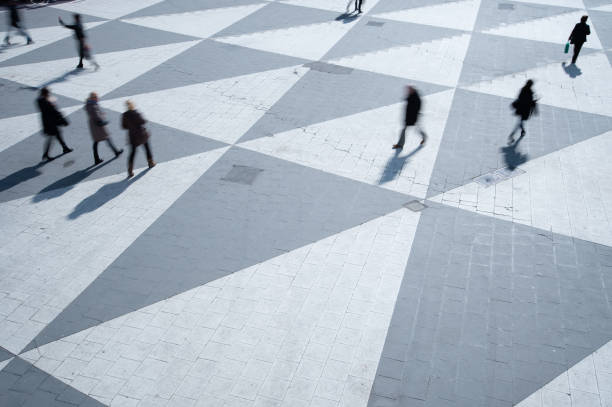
(402, 138)
(112, 146)
(148, 151)
(577, 48)
(61, 141)
(132, 155)
(81, 53)
(47, 146)
(95, 151)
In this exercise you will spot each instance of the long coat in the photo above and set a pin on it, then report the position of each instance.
(133, 122)
(525, 104)
(97, 121)
(579, 33)
(51, 117)
(413, 108)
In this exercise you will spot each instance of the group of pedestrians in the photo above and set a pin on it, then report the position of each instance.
(131, 120)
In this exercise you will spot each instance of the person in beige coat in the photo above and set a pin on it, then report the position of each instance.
(97, 127)
(134, 123)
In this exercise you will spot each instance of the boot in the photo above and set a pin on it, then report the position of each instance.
(151, 163)
(118, 152)
(130, 171)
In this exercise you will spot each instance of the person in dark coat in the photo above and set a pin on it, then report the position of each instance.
(524, 106)
(83, 46)
(52, 119)
(15, 24)
(413, 109)
(579, 36)
(97, 127)
(134, 123)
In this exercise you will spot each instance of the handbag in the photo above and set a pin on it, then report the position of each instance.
(567, 47)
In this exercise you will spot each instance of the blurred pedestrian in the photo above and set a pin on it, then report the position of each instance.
(358, 4)
(134, 123)
(524, 106)
(83, 46)
(15, 24)
(413, 109)
(97, 127)
(52, 119)
(579, 36)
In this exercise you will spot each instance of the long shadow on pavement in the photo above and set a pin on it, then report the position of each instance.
(395, 165)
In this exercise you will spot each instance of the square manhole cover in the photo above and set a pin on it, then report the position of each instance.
(505, 6)
(496, 176)
(242, 174)
(415, 206)
(375, 23)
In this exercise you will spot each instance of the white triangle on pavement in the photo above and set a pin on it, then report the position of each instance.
(591, 91)
(63, 253)
(117, 68)
(4, 363)
(416, 61)
(340, 6)
(459, 15)
(346, 308)
(221, 110)
(555, 29)
(566, 192)
(41, 36)
(359, 146)
(607, 7)
(19, 128)
(559, 3)
(110, 9)
(311, 41)
(201, 24)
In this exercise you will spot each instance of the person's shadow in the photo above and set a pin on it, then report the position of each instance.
(348, 16)
(512, 157)
(571, 70)
(62, 78)
(63, 185)
(103, 195)
(395, 165)
(20, 176)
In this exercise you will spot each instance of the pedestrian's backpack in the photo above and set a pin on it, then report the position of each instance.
(567, 47)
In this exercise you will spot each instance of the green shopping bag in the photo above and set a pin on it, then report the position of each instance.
(567, 47)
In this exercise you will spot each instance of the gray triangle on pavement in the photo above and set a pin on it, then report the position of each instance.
(397, 5)
(602, 22)
(185, 6)
(492, 14)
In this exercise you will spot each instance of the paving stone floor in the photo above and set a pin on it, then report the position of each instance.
(270, 258)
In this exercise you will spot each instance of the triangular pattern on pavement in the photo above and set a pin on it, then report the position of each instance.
(201, 24)
(491, 56)
(112, 36)
(359, 146)
(585, 92)
(113, 340)
(560, 192)
(596, 3)
(205, 62)
(278, 16)
(110, 198)
(257, 201)
(185, 6)
(306, 41)
(328, 92)
(5, 355)
(369, 35)
(25, 384)
(43, 36)
(110, 9)
(64, 79)
(395, 5)
(606, 7)
(458, 15)
(553, 29)
(559, 3)
(339, 6)
(471, 148)
(602, 22)
(220, 110)
(492, 16)
(19, 128)
(447, 54)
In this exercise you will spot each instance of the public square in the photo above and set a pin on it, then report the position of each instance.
(281, 253)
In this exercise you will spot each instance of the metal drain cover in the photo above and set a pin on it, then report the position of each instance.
(242, 174)
(415, 206)
(505, 6)
(496, 176)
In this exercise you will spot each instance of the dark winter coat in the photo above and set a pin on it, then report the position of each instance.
(133, 122)
(579, 33)
(413, 108)
(51, 117)
(97, 121)
(525, 104)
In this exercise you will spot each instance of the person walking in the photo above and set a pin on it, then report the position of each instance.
(15, 24)
(52, 119)
(413, 109)
(97, 127)
(358, 4)
(134, 123)
(579, 36)
(524, 106)
(84, 48)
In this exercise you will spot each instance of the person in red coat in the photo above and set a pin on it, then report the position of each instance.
(413, 109)
(138, 135)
